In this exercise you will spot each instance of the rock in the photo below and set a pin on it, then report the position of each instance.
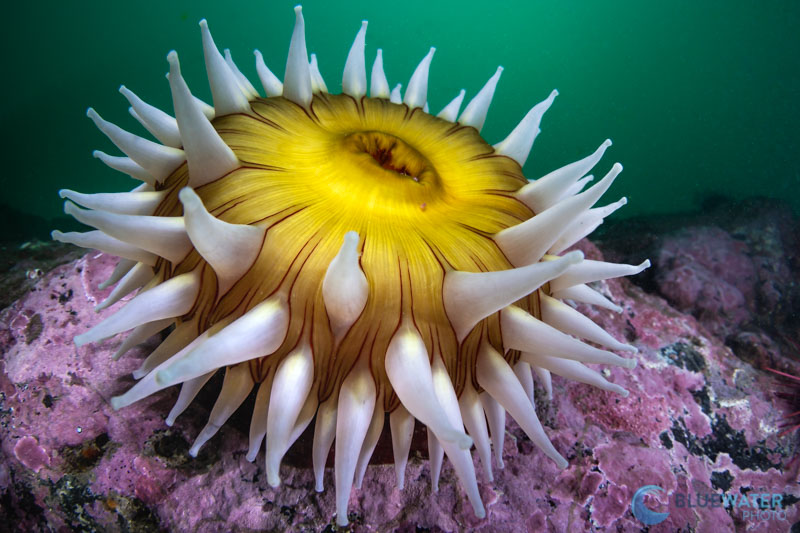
(698, 421)
(704, 271)
(733, 266)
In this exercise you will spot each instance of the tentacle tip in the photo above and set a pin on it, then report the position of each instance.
(163, 377)
(187, 196)
(561, 463)
(351, 237)
(102, 305)
(364, 23)
(273, 479)
(459, 438)
(139, 373)
(607, 143)
(341, 521)
(172, 58)
(480, 512)
(623, 392)
(117, 403)
(257, 53)
(573, 257)
(319, 487)
(298, 9)
(203, 23)
(169, 421)
(630, 363)
(645, 264)
(80, 340)
(117, 355)
(56, 235)
(554, 93)
(194, 451)
(617, 167)
(97, 154)
(464, 441)
(251, 456)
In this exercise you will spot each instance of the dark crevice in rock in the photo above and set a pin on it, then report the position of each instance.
(721, 480)
(724, 439)
(683, 355)
(703, 400)
(86, 455)
(173, 449)
(74, 497)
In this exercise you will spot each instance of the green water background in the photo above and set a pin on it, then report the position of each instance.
(699, 97)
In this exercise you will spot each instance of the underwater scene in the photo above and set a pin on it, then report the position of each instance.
(421, 266)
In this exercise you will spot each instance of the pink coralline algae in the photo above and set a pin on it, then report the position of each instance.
(735, 280)
(699, 421)
(706, 271)
(28, 452)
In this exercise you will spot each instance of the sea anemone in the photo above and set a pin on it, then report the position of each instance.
(348, 256)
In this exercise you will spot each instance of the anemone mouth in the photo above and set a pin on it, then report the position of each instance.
(391, 154)
(349, 255)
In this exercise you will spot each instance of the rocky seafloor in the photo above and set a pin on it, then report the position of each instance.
(703, 419)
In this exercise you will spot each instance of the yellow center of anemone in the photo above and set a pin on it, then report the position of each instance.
(424, 194)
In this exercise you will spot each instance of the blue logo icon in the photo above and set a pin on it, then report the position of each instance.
(640, 510)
